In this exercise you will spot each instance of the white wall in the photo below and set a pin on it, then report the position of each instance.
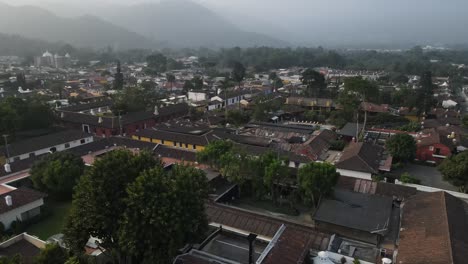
(60, 147)
(197, 96)
(355, 174)
(14, 214)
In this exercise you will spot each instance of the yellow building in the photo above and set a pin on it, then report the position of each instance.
(189, 141)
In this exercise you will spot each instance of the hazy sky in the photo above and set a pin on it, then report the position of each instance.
(326, 21)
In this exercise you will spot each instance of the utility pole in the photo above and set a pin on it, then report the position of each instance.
(120, 123)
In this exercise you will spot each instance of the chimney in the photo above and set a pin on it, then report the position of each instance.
(7, 167)
(8, 200)
(251, 238)
(156, 111)
(62, 115)
(100, 120)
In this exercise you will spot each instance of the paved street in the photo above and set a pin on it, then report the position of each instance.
(428, 175)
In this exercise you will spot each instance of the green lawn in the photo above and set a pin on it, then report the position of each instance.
(53, 223)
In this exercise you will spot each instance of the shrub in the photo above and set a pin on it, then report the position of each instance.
(407, 178)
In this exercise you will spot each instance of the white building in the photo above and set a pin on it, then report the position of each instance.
(45, 144)
(19, 204)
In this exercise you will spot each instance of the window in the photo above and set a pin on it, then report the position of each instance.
(431, 148)
(175, 144)
(186, 145)
(86, 128)
(194, 146)
(53, 149)
(82, 141)
(162, 141)
(180, 145)
(437, 151)
(67, 145)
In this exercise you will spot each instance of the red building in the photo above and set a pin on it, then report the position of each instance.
(433, 147)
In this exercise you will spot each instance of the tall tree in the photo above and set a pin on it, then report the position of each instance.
(170, 79)
(316, 180)
(238, 73)
(455, 170)
(276, 172)
(57, 174)
(314, 81)
(163, 212)
(402, 147)
(99, 200)
(118, 78)
(364, 90)
(425, 93)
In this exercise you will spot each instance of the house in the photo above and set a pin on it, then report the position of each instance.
(274, 240)
(128, 124)
(189, 139)
(197, 96)
(19, 204)
(350, 131)
(45, 144)
(359, 216)
(433, 230)
(24, 245)
(372, 108)
(225, 100)
(316, 104)
(360, 160)
(433, 147)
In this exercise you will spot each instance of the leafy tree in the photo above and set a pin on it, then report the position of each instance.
(118, 78)
(169, 210)
(73, 260)
(188, 86)
(465, 121)
(157, 62)
(57, 174)
(455, 170)
(233, 167)
(275, 174)
(407, 178)
(51, 254)
(237, 118)
(197, 82)
(100, 198)
(238, 73)
(17, 114)
(402, 147)
(174, 65)
(16, 259)
(316, 180)
(315, 82)
(212, 153)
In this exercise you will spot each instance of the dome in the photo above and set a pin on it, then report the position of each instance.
(47, 54)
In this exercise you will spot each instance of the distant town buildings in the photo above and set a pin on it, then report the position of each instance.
(53, 61)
